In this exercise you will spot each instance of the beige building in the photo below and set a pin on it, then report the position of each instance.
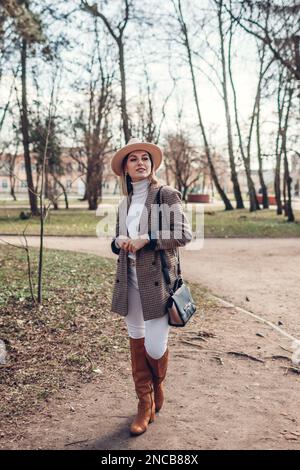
(73, 178)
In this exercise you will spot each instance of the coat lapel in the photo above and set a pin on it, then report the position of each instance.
(145, 220)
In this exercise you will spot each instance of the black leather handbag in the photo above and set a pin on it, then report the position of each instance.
(180, 305)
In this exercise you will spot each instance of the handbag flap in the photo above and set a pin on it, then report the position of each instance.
(183, 298)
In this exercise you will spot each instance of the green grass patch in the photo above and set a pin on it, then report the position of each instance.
(242, 223)
(217, 223)
(71, 222)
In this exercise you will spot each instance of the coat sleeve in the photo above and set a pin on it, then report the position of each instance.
(114, 247)
(178, 233)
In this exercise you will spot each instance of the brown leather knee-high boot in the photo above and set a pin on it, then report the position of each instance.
(142, 377)
(159, 370)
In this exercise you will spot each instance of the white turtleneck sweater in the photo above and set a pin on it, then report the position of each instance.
(139, 196)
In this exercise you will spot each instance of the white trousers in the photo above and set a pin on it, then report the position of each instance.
(154, 331)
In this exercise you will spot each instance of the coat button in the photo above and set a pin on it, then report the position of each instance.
(118, 280)
(156, 283)
(153, 262)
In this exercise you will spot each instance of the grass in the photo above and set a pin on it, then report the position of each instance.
(217, 223)
(73, 200)
(65, 341)
(71, 222)
(242, 223)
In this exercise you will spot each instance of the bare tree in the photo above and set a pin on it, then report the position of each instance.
(182, 161)
(287, 177)
(281, 99)
(146, 127)
(118, 35)
(96, 127)
(257, 113)
(245, 153)
(43, 212)
(222, 38)
(186, 43)
(26, 26)
(281, 35)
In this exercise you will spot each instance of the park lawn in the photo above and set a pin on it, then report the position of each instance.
(245, 224)
(70, 222)
(217, 223)
(71, 339)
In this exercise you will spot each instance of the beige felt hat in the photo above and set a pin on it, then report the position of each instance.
(135, 144)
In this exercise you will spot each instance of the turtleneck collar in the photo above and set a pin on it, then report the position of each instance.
(140, 187)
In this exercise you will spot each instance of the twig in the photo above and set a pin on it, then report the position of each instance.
(77, 442)
(278, 356)
(241, 354)
(291, 369)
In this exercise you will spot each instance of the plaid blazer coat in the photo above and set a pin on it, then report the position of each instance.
(153, 289)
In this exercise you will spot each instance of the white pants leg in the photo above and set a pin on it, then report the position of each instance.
(154, 331)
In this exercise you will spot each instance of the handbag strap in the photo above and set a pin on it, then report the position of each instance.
(162, 253)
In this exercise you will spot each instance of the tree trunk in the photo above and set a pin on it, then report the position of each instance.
(12, 193)
(184, 194)
(234, 177)
(46, 182)
(226, 201)
(279, 148)
(93, 183)
(246, 161)
(264, 189)
(12, 182)
(287, 178)
(254, 205)
(124, 114)
(64, 191)
(25, 133)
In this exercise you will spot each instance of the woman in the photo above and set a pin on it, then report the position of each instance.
(140, 292)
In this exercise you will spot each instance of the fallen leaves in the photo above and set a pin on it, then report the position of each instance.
(71, 338)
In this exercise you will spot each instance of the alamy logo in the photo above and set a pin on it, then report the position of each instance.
(175, 224)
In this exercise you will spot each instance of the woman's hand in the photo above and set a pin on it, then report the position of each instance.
(135, 245)
(121, 240)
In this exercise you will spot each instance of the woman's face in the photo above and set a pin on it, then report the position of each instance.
(138, 165)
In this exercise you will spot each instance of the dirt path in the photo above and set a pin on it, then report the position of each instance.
(216, 398)
(266, 271)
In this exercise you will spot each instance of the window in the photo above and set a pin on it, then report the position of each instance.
(69, 184)
(23, 184)
(4, 184)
